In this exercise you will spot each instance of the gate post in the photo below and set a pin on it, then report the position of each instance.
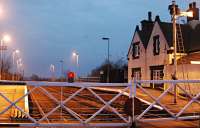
(133, 94)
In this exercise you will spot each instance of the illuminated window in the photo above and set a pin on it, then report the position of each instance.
(195, 62)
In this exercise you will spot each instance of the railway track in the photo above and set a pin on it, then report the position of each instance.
(85, 104)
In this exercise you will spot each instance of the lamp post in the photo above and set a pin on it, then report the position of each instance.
(62, 69)
(108, 63)
(4, 39)
(13, 62)
(176, 13)
(76, 55)
(19, 67)
(52, 70)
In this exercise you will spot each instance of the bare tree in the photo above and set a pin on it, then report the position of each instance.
(6, 65)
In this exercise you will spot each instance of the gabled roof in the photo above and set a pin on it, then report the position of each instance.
(136, 30)
(144, 33)
(194, 40)
(191, 37)
(190, 34)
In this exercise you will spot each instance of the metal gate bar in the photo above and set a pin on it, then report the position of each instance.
(49, 90)
(179, 115)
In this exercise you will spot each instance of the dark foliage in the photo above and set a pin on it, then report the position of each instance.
(117, 73)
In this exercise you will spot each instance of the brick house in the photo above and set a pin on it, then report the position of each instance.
(150, 55)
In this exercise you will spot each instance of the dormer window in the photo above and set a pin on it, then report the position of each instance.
(136, 50)
(156, 45)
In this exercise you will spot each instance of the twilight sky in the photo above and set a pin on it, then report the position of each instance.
(47, 31)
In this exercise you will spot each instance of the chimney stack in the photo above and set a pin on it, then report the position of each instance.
(157, 18)
(190, 6)
(149, 16)
(194, 4)
(195, 10)
(137, 28)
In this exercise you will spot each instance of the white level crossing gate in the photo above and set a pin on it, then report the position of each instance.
(63, 104)
(187, 104)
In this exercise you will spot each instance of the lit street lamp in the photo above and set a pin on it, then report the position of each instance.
(52, 70)
(13, 60)
(76, 55)
(4, 39)
(108, 64)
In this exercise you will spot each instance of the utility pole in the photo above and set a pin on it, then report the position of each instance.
(62, 70)
(76, 55)
(52, 69)
(108, 63)
(176, 13)
(175, 49)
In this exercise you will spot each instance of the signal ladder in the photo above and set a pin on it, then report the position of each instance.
(181, 51)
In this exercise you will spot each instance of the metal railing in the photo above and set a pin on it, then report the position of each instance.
(65, 104)
(32, 103)
(187, 106)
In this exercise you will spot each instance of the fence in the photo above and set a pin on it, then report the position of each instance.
(64, 104)
(96, 104)
(177, 101)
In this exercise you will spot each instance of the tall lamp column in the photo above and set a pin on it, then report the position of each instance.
(108, 61)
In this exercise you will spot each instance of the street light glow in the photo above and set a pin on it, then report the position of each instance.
(190, 14)
(195, 62)
(17, 51)
(6, 38)
(187, 14)
(1, 11)
(74, 53)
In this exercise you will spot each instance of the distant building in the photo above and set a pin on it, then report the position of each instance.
(150, 55)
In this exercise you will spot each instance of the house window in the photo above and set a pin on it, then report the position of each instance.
(136, 73)
(157, 73)
(136, 50)
(156, 45)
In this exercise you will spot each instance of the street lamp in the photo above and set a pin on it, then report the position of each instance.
(19, 67)
(76, 55)
(52, 70)
(13, 60)
(176, 13)
(5, 38)
(108, 63)
(62, 69)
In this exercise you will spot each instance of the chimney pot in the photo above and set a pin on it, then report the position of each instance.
(157, 18)
(194, 4)
(149, 16)
(190, 6)
(137, 28)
